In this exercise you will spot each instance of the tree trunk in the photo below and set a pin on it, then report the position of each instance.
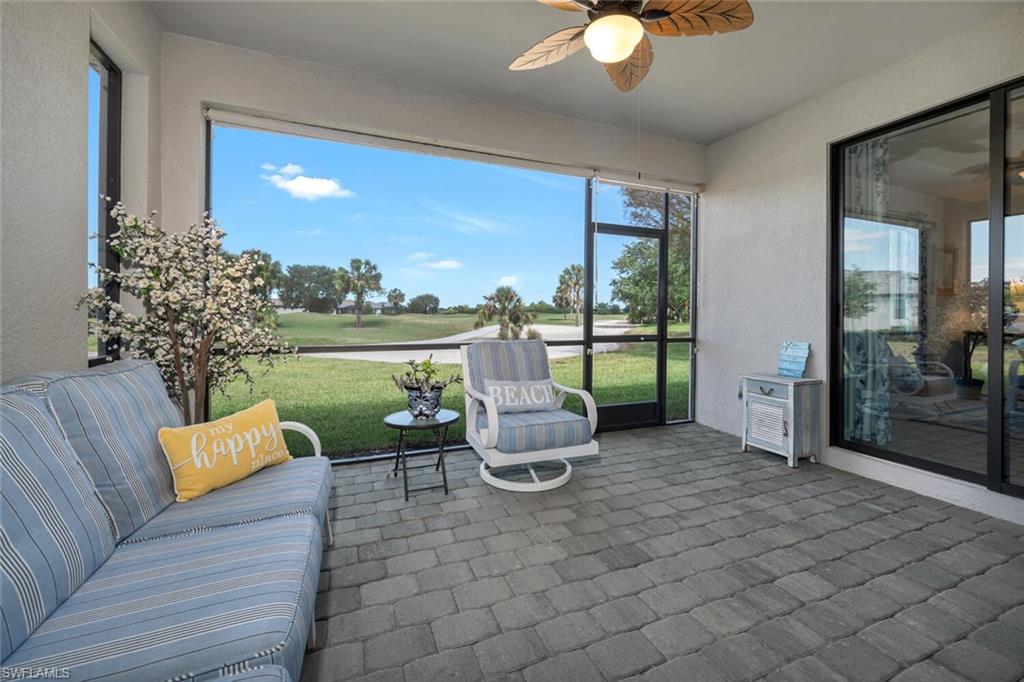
(172, 332)
(202, 369)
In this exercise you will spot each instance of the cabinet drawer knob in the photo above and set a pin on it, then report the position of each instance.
(765, 391)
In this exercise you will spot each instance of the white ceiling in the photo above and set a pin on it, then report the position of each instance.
(700, 89)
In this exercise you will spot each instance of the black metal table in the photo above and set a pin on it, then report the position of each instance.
(404, 422)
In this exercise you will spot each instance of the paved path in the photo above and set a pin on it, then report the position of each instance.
(550, 332)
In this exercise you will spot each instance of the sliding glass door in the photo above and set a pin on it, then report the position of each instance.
(928, 323)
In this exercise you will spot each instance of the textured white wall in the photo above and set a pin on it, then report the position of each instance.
(44, 54)
(198, 72)
(763, 259)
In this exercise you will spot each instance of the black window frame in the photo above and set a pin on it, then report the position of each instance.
(109, 150)
(995, 477)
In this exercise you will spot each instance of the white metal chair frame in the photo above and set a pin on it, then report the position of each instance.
(485, 441)
(309, 433)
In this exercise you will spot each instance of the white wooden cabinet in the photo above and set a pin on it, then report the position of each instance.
(780, 415)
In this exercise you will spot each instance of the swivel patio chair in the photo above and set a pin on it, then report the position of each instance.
(523, 421)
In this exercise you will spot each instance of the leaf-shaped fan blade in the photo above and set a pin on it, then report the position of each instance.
(696, 17)
(567, 5)
(628, 73)
(554, 48)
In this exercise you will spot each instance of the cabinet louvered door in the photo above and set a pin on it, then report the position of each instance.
(766, 424)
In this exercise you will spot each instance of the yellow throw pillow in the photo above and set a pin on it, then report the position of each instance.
(208, 456)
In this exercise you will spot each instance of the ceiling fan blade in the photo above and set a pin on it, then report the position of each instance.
(567, 5)
(628, 73)
(554, 48)
(696, 17)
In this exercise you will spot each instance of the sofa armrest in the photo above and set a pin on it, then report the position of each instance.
(305, 431)
(588, 401)
(492, 415)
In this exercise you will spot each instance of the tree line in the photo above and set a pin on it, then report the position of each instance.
(322, 289)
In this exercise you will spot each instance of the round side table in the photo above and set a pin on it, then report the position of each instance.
(405, 422)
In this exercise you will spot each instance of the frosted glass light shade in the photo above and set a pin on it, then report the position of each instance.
(612, 38)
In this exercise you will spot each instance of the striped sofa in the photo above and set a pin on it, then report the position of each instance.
(104, 576)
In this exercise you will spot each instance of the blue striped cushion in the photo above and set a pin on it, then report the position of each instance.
(299, 486)
(54, 533)
(111, 415)
(507, 361)
(529, 431)
(191, 607)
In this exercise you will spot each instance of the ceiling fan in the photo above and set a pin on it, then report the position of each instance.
(615, 34)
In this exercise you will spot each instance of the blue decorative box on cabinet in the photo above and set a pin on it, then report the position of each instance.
(780, 415)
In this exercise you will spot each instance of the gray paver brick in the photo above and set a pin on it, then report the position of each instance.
(975, 662)
(725, 616)
(671, 598)
(741, 658)
(388, 590)
(898, 641)
(933, 622)
(423, 608)
(857, 660)
(692, 667)
(576, 596)
(456, 664)
(398, 648)
(481, 593)
(927, 671)
(462, 629)
(533, 579)
(621, 615)
(623, 582)
(574, 666)
(523, 611)
(509, 652)
(788, 637)
(678, 635)
(624, 655)
(568, 632)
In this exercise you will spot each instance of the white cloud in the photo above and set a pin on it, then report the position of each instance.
(269, 167)
(309, 189)
(315, 232)
(421, 255)
(447, 264)
(509, 280)
(290, 170)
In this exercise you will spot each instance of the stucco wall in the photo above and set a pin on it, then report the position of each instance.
(763, 259)
(44, 52)
(198, 73)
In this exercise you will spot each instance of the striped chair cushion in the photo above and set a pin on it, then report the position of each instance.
(507, 361)
(111, 415)
(54, 533)
(189, 608)
(299, 486)
(529, 431)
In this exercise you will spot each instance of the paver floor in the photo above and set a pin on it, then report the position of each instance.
(672, 556)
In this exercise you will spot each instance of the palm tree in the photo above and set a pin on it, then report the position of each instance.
(395, 299)
(569, 293)
(506, 305)
(361, 279)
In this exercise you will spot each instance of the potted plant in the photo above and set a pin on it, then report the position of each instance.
(423, 387)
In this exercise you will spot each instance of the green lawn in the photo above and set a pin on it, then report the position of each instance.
(318, 329)
(345, 400)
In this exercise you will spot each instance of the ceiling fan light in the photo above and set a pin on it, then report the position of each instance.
(613, 37)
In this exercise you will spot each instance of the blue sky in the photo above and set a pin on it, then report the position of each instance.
(450, 227)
